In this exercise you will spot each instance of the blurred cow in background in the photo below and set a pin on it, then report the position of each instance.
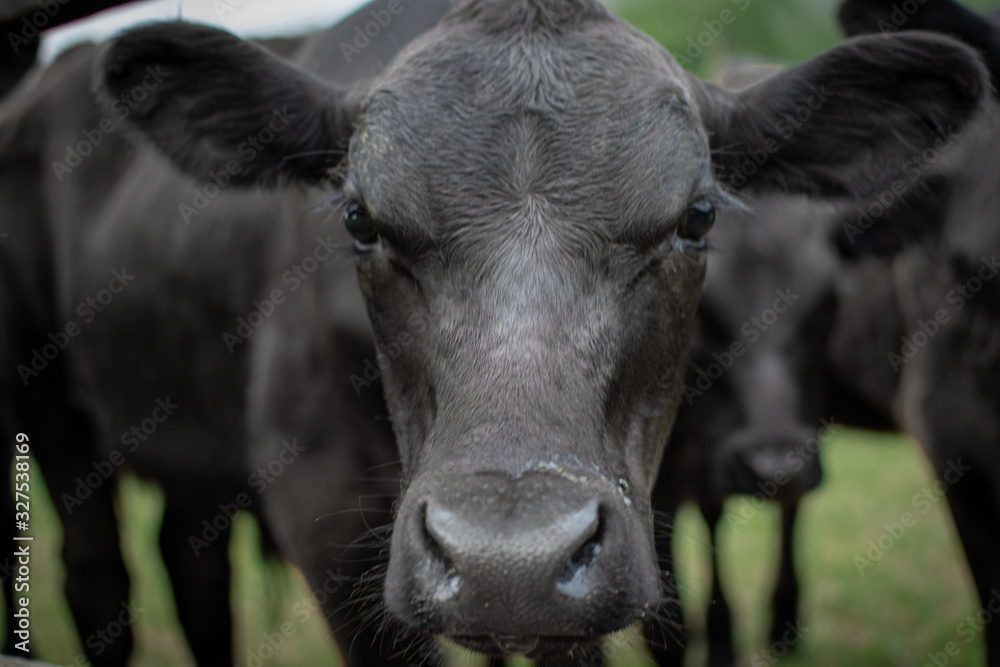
(760, 393)
(946, 287)
(22, 23)
(905, 334)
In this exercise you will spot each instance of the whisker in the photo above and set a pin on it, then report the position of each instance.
(327, 151)
(352, 510)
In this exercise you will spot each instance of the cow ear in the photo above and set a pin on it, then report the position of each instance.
(846, 122)
(212, 102)
(863, 17)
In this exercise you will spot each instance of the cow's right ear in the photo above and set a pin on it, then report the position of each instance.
(212, 102)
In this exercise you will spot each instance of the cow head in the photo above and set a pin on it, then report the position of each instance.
(530, 186)
(755, 392)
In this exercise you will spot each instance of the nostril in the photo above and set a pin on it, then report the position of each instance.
(443, 567)
(573, 580)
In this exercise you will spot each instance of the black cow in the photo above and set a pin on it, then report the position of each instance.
(760, 389)
(525, 194)
(22, 23)
(757, 392)
(945, 291)
(28, 312)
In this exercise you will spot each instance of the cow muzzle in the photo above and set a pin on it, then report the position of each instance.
(520, 565)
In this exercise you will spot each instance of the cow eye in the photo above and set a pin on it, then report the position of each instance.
(697, 222)
(360, 225)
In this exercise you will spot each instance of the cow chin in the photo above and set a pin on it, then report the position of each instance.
(535, 648)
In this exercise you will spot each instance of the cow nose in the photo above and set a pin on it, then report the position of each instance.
(508, 565)
(775, 462)
(553, 556)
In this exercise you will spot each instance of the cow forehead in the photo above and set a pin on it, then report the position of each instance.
(593, 128)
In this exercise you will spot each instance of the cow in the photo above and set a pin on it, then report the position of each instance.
(26, 301)
(867, 341)
(523, 199)
(947, 357)
(22, 23)
(762, 387)
(756, 392)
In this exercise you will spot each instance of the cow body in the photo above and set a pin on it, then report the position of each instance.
(945, 294)
(522, 197)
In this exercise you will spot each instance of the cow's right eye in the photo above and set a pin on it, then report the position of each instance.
(697, 222)
(360, 225)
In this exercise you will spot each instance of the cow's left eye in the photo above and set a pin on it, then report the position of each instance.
(697, 222)
(360, 225)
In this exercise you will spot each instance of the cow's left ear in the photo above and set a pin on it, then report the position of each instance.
(212, 102)
(845, 123)
(863, 17)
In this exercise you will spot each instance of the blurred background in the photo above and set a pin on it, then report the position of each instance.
(914, 598)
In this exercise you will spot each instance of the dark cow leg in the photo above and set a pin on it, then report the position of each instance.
(785, 602)
(718, 621)
(97, 583)
(200, 580)
(975, 505)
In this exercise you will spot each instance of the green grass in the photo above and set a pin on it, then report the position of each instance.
(263, 596)
(776, 31)
(908, 604)
(781, 31)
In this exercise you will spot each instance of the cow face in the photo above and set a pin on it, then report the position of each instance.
(756, 391)
(529, 187)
